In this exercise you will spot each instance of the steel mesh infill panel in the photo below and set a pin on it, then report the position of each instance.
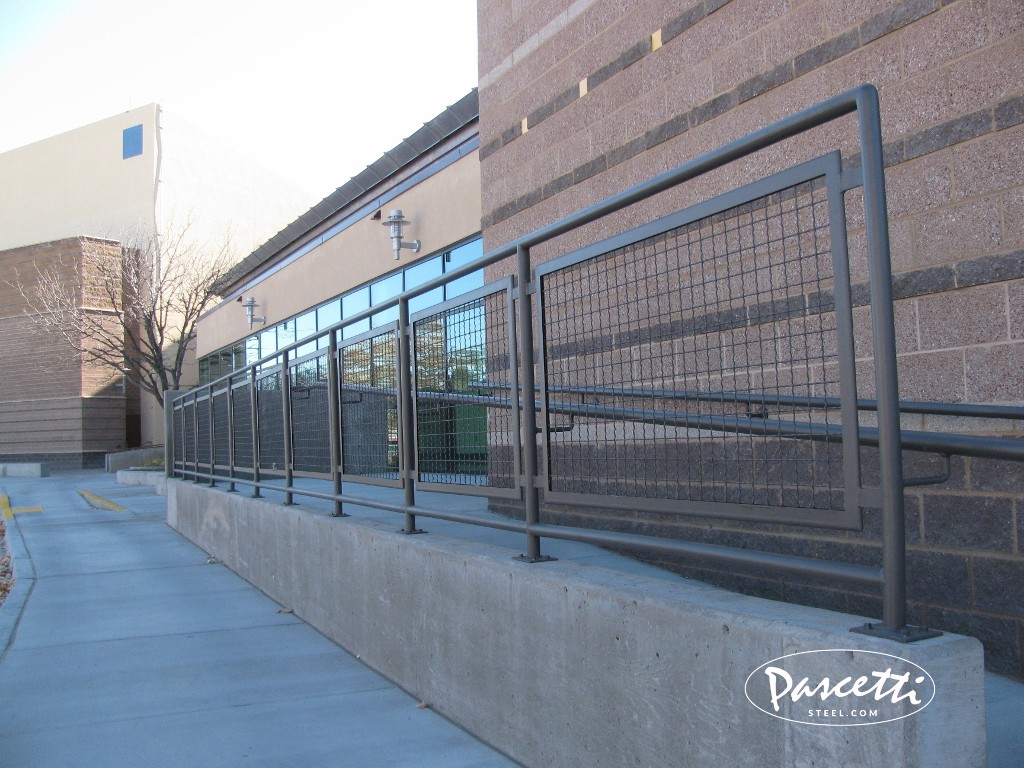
(270, 416)
(203, 437)
(671, 354)
(368, 369)
(179, 436)
(221, 432)
(465, 429)
(241, 407)
(188, 418)
(311, 431)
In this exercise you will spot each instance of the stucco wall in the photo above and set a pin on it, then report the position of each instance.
(77, 183)
(443, 209)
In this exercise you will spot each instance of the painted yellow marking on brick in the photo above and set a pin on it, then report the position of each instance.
(8, 511)
(583, 87)
(98, 501)
(525, 125)
(656, 40)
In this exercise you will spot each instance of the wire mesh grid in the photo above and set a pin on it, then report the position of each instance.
(368, 369)
(311, 427)
(270, 416)
(202, 414)
(241, 423)
(221, 426)
(664, 358)
(183, 429)
(465, 435)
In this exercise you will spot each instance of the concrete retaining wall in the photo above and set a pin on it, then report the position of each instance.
(155, 478)
(563, 663)
(23, 469)
(136, 457)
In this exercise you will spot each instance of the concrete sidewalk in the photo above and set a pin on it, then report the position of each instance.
(123, 646)
(126, 647)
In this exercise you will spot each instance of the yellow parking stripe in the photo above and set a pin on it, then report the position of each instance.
(98, 502)
(8, 511)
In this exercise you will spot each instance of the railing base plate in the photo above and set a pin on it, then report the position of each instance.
(539, 559)
(908, 634)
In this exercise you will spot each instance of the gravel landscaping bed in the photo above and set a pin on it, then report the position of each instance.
(6, 575)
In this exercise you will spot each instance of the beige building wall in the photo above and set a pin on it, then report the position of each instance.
(77, 184)
(201, 177)
(443, 209)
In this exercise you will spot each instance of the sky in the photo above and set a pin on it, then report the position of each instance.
(313, 90)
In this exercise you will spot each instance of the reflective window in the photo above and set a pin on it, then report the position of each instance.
(386, 289)
(458, 257)
(352, 304)
(285, 334)
(425, 300)
(305, 325)
(268, 342)
(328, 315)
(315, 321)
(252, 350)
(420, 273)
(226, 363)
(383, 290)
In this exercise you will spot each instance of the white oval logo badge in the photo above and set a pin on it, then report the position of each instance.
(840, 687)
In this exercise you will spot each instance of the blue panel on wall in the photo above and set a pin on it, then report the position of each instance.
(131, 142)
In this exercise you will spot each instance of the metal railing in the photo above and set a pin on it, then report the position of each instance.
(735, 315)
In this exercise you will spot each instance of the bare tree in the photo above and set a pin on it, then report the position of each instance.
(133, 309)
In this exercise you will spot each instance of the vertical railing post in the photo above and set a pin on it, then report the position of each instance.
(213, 436)
(254, 416)
(406, 412)
(171, 431)
(334, 417)
(231, 434)
(195, 436)
(527, 382)
(286, 418)
(890, 456)
(894, 608)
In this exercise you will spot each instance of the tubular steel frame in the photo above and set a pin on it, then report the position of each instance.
(531, 476)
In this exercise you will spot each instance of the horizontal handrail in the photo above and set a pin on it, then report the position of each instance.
(979, 446)
(200, 441)
(928, 407)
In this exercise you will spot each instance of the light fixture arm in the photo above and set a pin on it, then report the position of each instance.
(250, 312)
(395, 221)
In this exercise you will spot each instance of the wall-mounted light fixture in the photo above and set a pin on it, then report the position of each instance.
(396, 222)
(250, 312)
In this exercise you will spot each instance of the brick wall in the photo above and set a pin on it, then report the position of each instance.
(52, 407)
(580, 100)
